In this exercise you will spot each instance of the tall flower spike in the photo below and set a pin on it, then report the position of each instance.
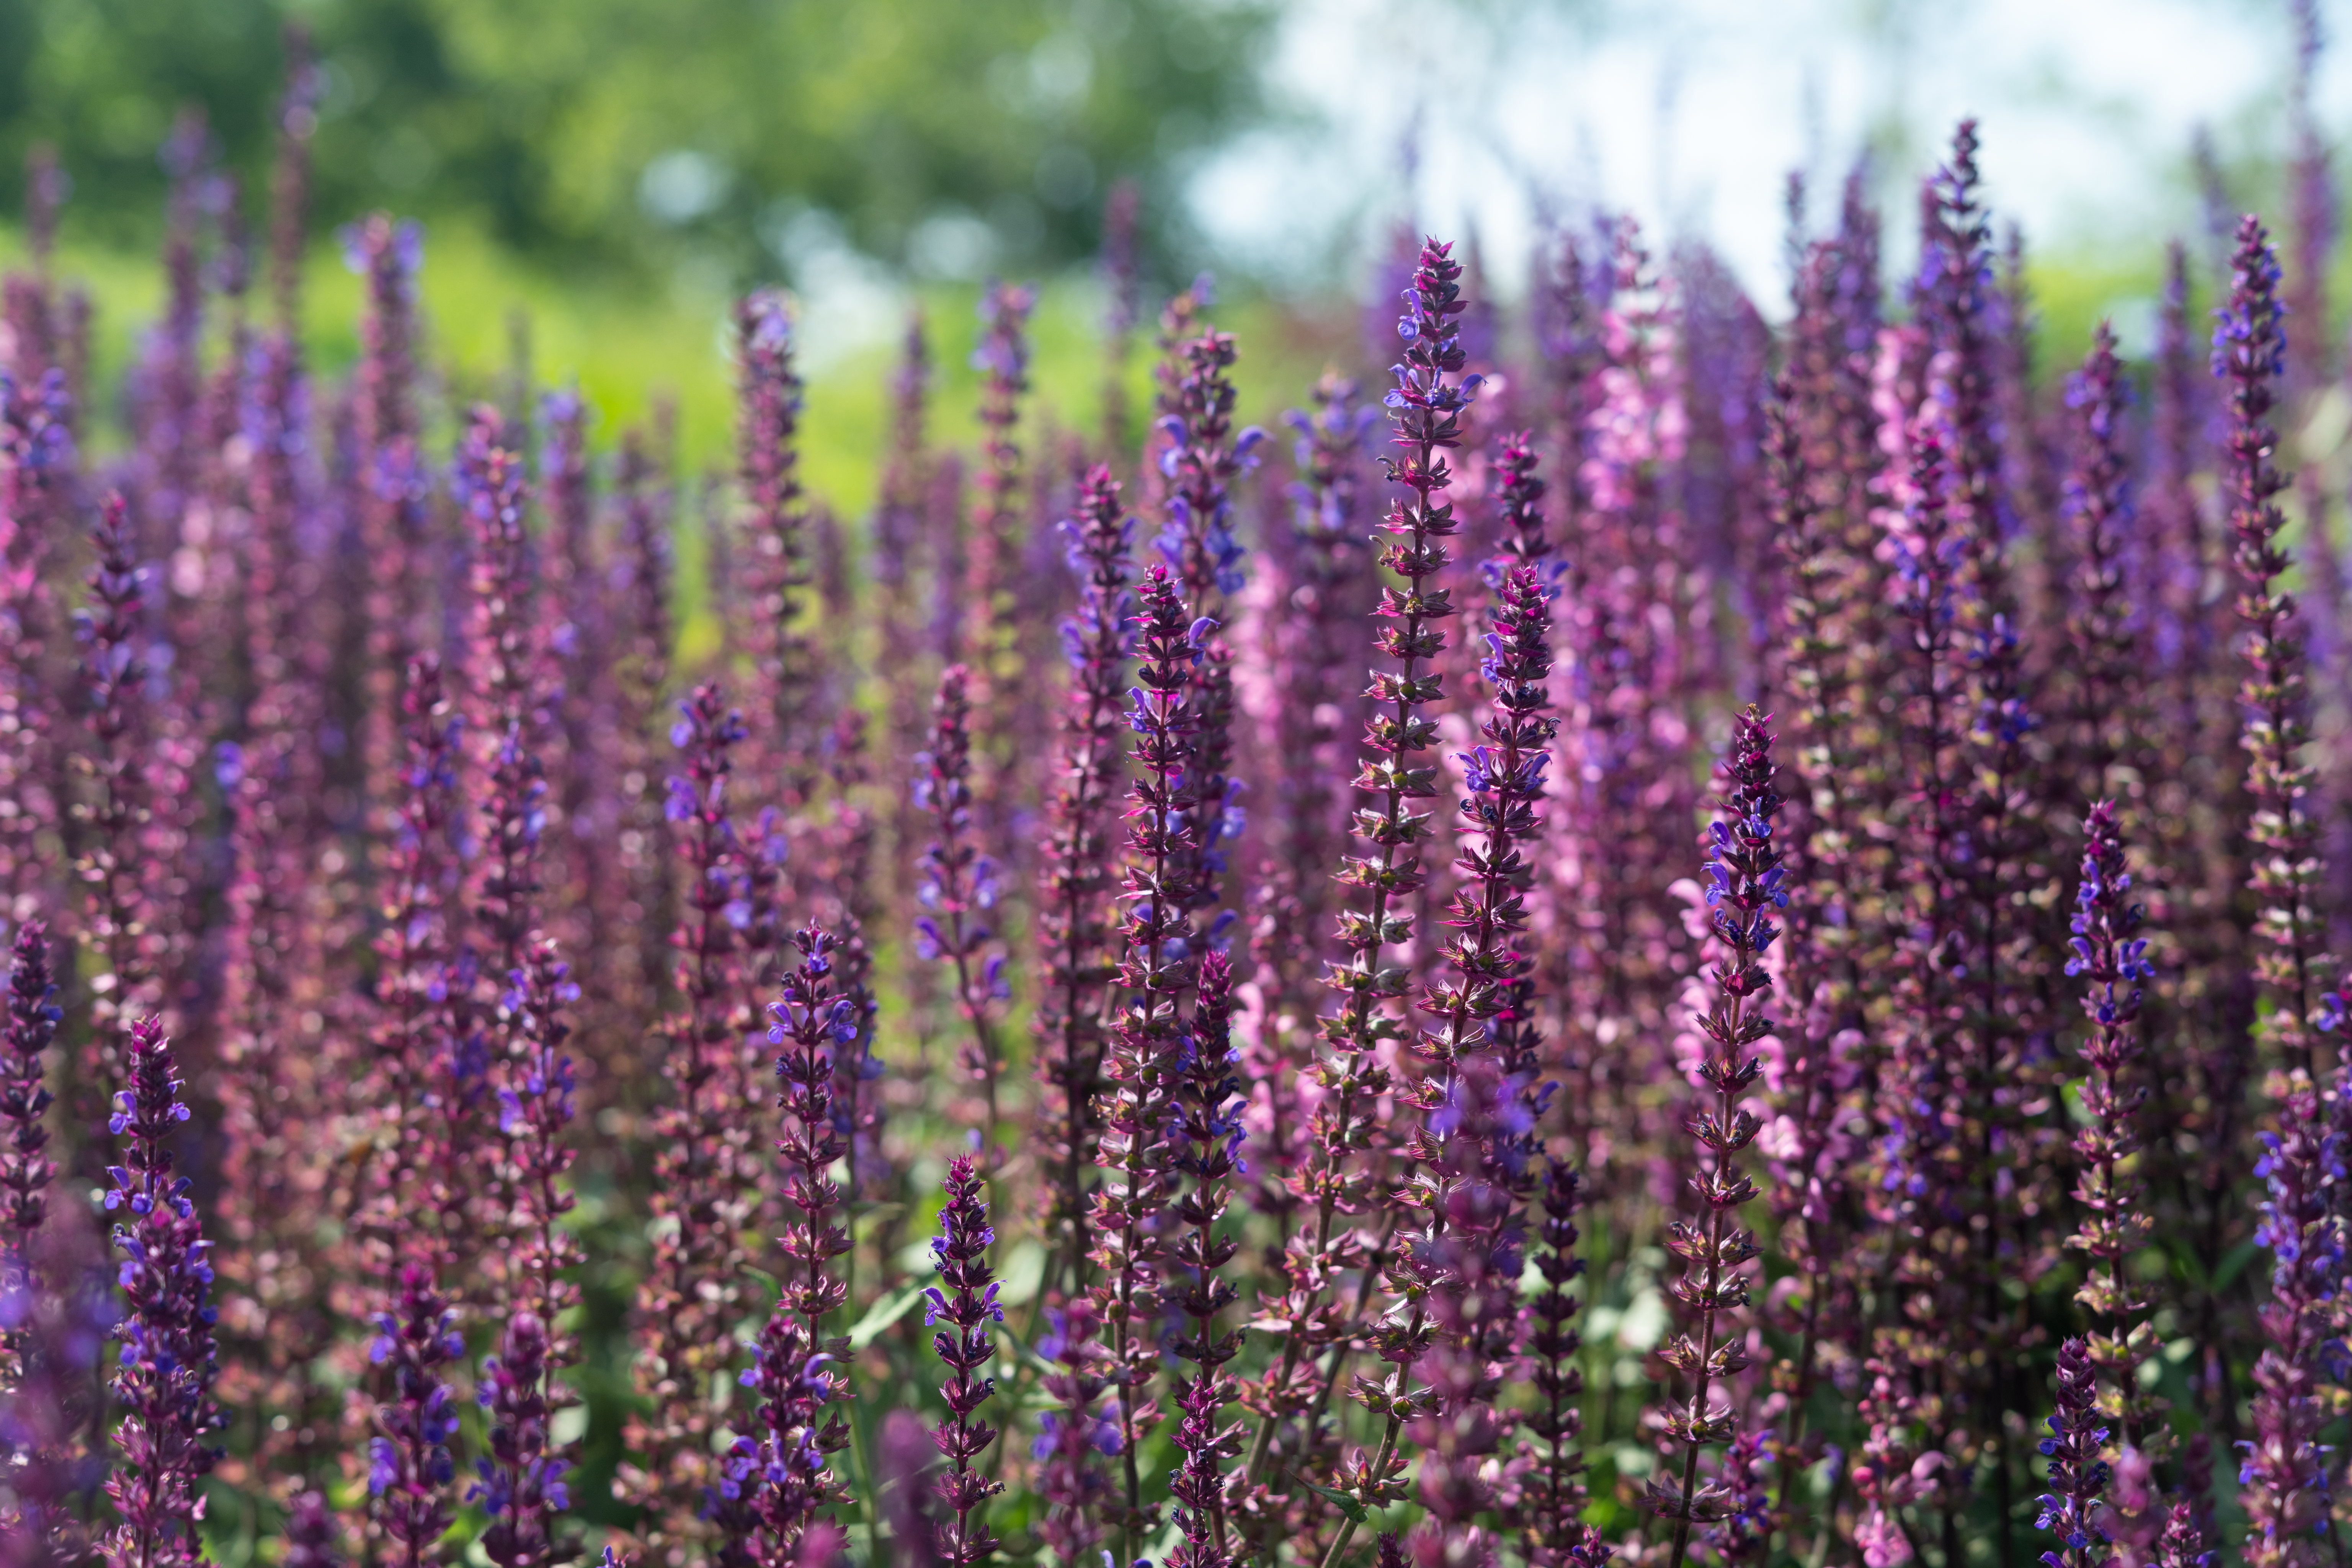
(505, 689)
(965, 1299)
(641, 589)
(961, 884)
(1551, 1500)
(814, 1023)
(1473, 1162)
(522, 1487)
(993, 587)
(1074, 1435)
(1744, 867)
(409, 1468)
(1312, 645)
(1825, 640)
(2111, 958)
(1201, 455)
(2069, 1510)
(1305, 644)
(121, 920)
(1427, 403)
(1469, 1259)
(165, 1382)
(36, 467)
(778, 1485)
(1200, 458)
(1503, 783)
(1156, 967)
(25, 1168)
(2098, 498)
(2284, 1480)
(2249, 355)
(426, 1091)
(1074, 880)
(686, 1303)
(776, 575)
(1204, 1134)
(392, 482)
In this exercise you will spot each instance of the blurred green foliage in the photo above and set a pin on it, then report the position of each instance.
(731, 137)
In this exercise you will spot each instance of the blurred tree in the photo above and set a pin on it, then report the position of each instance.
(948, 135)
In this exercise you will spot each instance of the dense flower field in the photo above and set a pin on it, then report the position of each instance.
(1786, 1020)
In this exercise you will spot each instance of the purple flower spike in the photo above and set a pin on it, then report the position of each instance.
(703, 1168)
(1716, 1251)
(967, 1303)
(2069, 1510)
(1073, 878)
(2109, 958)
(2249, 355)
(165, 1376)
(955, 880)
(813, 1023)
(410, 1468)
(1204, 1135)
(992, 592)
(25, 1168)
(775, 573)
(1427, 403)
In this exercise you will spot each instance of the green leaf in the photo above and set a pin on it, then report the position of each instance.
(1344, 1501)
(882, 1314)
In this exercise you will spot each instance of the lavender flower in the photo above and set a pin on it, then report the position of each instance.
(2186, 1542)
(165, 1382)
(523, 1489)
(782, 1476)
(1744, 865)
(2099, 501)
(814, 1022)
(314, 1537)
(25, 1168)
(1157, 966)
(1468, 1263)
(1203, 1135)
(2071, 1509)
(1551, 1506)
(641, 587)
(418, 1062)
(776, 572)
(409, 1465)
(960, 884)
(522, 1486)
(2284, 1477)
(1428, 403)
(1072, 906)
(391, 485)
(506, 692)
(37, 460)
(122, 916)
(1200, 458)
(702, 1167)
(2112, 958)
(1076, 1433)
(966, 1298)
(1825, 631)
(993, 591)
(2249, 352)
(1318, 574)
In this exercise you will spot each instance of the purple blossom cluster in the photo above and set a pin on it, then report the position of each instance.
(470, 1091)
